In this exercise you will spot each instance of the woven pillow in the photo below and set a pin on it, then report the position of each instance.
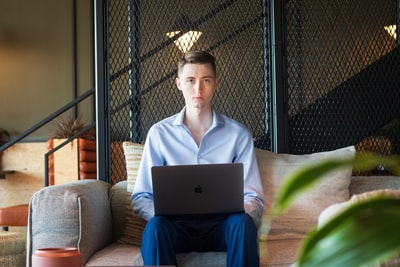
(134, 224)
(303, 214)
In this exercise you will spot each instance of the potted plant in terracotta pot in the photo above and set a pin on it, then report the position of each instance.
(76, 160)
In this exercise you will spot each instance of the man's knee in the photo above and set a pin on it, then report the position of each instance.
(241, 219)
(241, 223)
(155, 221)
(157, 224)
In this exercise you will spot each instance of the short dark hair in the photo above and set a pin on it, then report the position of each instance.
(197, 57)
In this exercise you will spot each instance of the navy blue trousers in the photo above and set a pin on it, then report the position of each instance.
(236, 234)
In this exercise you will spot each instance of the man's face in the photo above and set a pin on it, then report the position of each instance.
(198, 85)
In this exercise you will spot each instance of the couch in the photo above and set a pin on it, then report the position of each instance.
(96, 217)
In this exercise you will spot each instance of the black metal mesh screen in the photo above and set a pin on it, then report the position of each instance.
(343, 75)
(143, 64)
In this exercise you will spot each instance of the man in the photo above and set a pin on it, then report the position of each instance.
(199, 135)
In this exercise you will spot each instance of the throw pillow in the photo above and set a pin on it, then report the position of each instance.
(303, 214)
(134, 225)
(133, 155)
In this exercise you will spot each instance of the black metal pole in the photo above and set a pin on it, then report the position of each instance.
(135, 94)
(74, 58)
(279, 87)
(101, 85)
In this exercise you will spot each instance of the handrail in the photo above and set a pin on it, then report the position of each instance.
(46, 120)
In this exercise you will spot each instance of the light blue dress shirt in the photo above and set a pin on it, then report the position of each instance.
(169, 142)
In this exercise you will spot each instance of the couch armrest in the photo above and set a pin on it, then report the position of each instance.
(362, 184)
(76, 214)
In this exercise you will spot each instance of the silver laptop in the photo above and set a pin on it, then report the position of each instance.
(198, 190)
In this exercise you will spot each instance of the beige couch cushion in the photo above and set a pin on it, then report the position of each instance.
(134, 225)
(302, 216)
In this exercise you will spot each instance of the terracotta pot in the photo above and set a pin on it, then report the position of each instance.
(60, 257)
(72, 162)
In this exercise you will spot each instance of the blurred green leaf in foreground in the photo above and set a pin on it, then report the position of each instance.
(364, 233)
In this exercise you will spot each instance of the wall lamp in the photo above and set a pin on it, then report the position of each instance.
(190, 35)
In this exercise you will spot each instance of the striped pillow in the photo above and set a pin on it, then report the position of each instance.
(134, 224)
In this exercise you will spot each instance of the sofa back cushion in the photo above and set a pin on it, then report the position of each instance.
(303, 214)
(273, 169)
(134, 224)
(118, 208)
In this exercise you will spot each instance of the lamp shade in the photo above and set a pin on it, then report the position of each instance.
(189, 35)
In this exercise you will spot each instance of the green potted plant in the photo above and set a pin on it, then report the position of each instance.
(364, 233)
(77, 160)
(69, 126)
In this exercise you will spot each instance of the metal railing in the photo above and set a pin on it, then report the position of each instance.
(52, 151)
(45, 121)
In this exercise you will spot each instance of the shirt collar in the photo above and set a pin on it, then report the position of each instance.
(218, 119)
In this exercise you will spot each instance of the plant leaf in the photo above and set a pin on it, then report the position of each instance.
(363, 233)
